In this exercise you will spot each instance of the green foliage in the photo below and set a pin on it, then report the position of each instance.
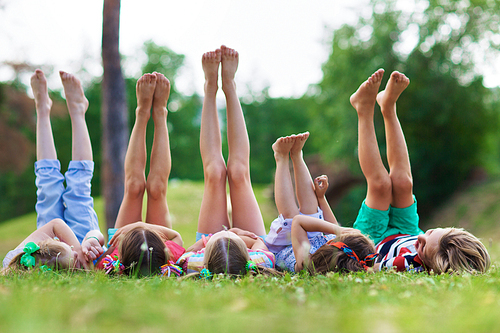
(444, 112)
(268, 120)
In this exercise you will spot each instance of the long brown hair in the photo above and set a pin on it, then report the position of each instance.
(331, 259)
(142, 252)
(229, 256)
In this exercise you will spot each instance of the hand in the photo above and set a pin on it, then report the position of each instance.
(321, 185)
(82, 262)
(91, 249)
(241, 232)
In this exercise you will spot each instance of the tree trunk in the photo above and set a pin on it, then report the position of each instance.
(114, 113)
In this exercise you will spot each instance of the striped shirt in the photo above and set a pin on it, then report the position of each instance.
(399, 251)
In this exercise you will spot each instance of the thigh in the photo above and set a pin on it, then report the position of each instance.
(405, 220)
(79, 213)
(246, 213)
(130, 210)
(213, 211)
(50, 188)
(157, 211)
(372, 222)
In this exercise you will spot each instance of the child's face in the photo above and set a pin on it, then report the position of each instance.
(68, 258)
(427, 244)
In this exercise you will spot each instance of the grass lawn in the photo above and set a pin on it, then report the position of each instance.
(383, 302)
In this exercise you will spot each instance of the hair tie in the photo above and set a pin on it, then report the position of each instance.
(111, 264)
(250, 266)
(45, 268)
(27, 259)
(351, 254)
(169, 269)
(205, 274)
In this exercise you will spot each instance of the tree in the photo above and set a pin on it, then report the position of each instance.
(114, 113)
(443, 112)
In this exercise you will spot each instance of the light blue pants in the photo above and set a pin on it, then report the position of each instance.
(73, 203)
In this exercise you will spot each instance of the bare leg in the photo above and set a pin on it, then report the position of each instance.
(245, 210)
(304, 186)
(77, 106)
(160, 163)
(45, 147)
(397, 152)
(379, 190)
(213, 211)
(283, 187)
(135, 159)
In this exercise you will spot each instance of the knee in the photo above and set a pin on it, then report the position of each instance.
(381, 186)
(156, 187)
(215, 173)
(402, 182)
(135, 187)
(238, 173)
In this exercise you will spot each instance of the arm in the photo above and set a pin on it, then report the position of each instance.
(254, 244)
(302, 224)
(165, 232)
(320, 187)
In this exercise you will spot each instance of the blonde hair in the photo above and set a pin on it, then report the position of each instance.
(48, 254)
(230, 256)
(329, 258)
(460, 251)
(142, 252)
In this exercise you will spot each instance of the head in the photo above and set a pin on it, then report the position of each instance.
(452, 250)
(329, 258)
(142, 252)
(52, 253)
(226, 253)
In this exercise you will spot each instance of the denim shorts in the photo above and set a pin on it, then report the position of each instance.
(73, 203)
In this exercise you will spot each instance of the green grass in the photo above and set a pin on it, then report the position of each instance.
(383, 302)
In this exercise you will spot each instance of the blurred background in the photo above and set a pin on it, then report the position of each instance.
(299, 63)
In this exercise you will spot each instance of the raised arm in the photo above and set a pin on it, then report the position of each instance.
(320, 187)
(302, 224)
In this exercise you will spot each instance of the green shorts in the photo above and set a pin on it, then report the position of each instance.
(379, 224)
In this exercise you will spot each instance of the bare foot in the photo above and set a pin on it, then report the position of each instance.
(145, 90)
(210, 62)
(364, 98)
(299, 143)
(161, 94)
(40, 91)
(229, 59)
(282, 146)
(395, 86)
(75, 98)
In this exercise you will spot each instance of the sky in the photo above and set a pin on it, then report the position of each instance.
(282, 43)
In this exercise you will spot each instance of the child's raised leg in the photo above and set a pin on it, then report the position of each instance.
(397, 151)
(283, 187)
(304, 186)
(79, 213)
(45, 147)
(49, 180)
(379, 192)
(245, 210)
(160, 165)
(213, 211)
(77, 107)
(135, 159)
